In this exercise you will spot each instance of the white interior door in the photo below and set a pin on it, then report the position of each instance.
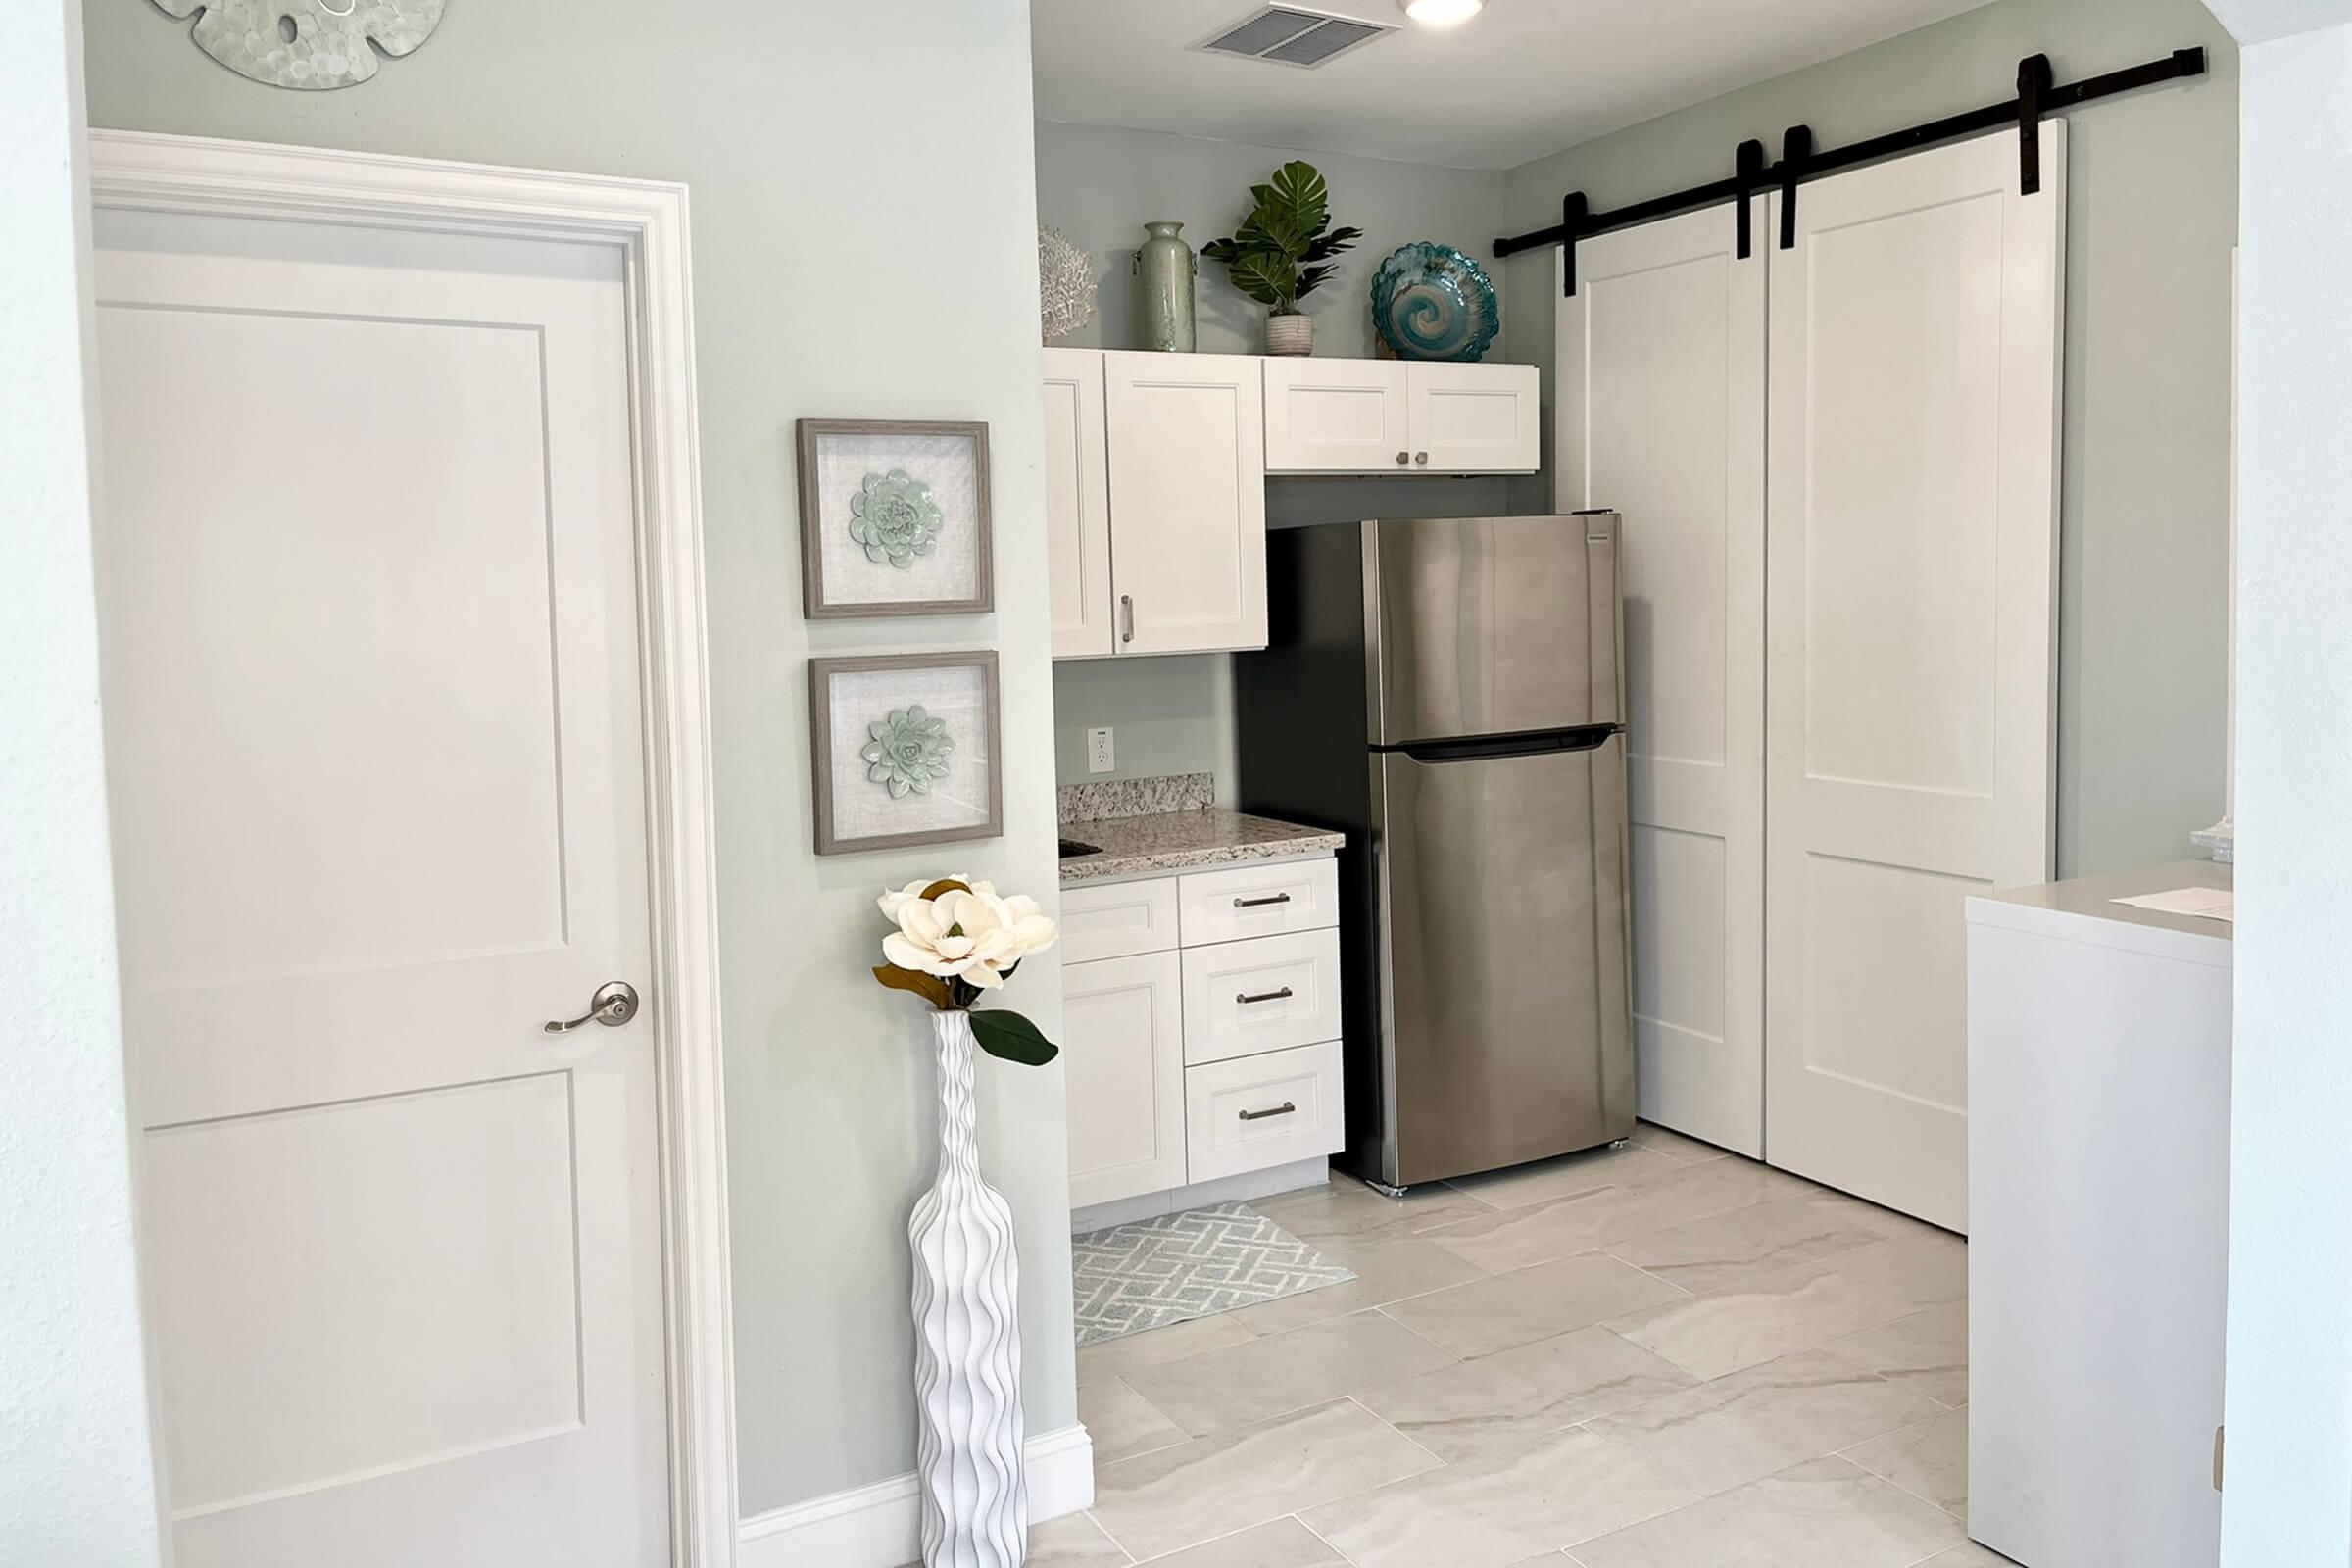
(1077, 505)
(370, 603)
(1910, 709)
(1661, 417)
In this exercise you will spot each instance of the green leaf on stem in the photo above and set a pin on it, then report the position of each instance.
(1014, 1038)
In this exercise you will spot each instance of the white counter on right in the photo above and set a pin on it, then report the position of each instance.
(2098, 1116)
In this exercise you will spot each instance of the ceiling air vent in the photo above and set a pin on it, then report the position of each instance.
(1289, 36)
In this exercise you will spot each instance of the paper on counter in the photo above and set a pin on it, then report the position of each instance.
(2206, 904)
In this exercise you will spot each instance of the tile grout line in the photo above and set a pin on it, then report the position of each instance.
(1300, 1520)
(1387, 1426)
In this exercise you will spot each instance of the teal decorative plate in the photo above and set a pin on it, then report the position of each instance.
(1431, 302)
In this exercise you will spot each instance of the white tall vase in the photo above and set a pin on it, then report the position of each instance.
(967, 1345)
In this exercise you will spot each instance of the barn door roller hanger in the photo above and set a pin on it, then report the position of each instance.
(2038, 96)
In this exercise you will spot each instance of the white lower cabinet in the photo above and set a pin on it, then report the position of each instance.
(1124, 1068)
(1205, 1062)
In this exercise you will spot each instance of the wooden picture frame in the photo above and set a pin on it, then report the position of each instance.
(856, 796)
(849, 569)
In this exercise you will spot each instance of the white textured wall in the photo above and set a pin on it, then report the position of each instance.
(865, 247)
(77, 1482)
(2288, 1501)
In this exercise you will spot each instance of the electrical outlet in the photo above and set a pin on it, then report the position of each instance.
(1097, 751)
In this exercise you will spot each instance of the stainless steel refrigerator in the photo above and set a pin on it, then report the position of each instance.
(1450, 693)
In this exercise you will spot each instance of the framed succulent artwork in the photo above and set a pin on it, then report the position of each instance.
(904, 750)
(893, 518)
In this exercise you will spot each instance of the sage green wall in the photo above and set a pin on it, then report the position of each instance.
(1100, 186)
(863, 245)
(2151, 217)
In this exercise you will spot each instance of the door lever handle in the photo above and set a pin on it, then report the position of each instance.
(613, 1003)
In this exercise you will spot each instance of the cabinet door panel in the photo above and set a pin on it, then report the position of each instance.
(1187, 500)
(1077, 505)
(1123, 1026)
(1475, 418)
(1336, 416)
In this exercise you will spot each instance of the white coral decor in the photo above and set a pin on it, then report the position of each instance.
(967, 934)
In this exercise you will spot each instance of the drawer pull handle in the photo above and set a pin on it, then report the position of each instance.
(1260, 903)
(1285, 1108)
(1244, 998)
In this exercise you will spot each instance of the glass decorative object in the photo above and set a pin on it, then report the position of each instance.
(1166, 267)
(1431, 302)
(895, 517)
(307, 44)
(1065, 285)
(908, 750)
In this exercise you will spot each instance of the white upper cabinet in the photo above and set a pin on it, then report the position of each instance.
(1155, 471)
(1077, 505)
(1338, 417)
(1187, 500)
(1474, 418)
(1390, 416)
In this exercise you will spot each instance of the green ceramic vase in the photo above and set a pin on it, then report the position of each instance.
(1166, 265)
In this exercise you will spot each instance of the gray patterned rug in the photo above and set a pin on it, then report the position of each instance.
(1204, 1261)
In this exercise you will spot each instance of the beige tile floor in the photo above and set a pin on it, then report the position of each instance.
(1655, 1356)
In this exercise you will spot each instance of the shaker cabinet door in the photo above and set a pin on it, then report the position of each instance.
(1187, 500)
(1336, 416)
(1475, 418)
(1077, 505)
(1123, 1024)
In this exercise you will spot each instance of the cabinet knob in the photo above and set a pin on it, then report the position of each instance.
(1420, 457)
(1400, 457)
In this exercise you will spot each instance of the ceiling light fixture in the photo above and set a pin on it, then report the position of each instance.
(1440, 13)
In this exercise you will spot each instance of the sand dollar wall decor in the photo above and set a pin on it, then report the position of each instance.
(307, 44)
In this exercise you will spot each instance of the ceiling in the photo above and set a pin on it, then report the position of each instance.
(1525, 78)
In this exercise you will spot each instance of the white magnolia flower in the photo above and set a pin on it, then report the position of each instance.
(894, 899)
(970, 936)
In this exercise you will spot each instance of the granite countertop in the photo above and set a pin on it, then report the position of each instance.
(1141, 826)
(1183, 841)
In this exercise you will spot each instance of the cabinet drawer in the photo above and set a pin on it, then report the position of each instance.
(1119, 921)
(1263, 1110)
(1258, 901)
(1242, 998)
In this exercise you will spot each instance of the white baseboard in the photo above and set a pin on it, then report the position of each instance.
(1244, 1187)
(880, 1526)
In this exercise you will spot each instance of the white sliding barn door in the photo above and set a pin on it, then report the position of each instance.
(374, 734)
(1913, 548)
(1661, 416)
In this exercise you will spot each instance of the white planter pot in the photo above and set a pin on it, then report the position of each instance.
(967, 1345)
(1289, 335)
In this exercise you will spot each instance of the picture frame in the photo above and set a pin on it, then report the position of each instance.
(905, 749)
(895, 519)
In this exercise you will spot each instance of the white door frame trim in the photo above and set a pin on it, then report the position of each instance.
(646, 221)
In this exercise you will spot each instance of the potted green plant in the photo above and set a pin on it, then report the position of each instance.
(1282, 252)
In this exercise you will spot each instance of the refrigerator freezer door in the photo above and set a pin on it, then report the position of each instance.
(1491, 626)
(1504, 1006)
